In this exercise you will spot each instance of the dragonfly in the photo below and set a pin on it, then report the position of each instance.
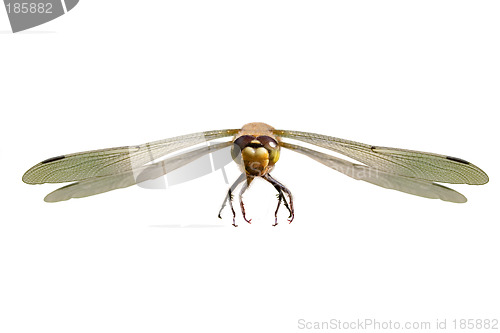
(256, 149)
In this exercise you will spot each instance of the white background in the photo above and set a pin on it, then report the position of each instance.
(416, 74)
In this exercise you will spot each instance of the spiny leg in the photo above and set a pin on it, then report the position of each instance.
(281, 196)
(281, 188)
(243, 189)
(229, 197)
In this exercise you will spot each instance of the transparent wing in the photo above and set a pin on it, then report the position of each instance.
(422, 188)
(408, 163)
(123, 179)
(105, 162)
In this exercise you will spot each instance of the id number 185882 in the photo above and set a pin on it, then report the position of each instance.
(29, 8)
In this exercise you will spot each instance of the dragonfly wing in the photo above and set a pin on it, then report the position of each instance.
(105, 162)
(408, 163)
(423, 188)
(123, 179)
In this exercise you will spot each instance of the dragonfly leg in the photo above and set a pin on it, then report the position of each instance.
(285, 202)
(243, 189)
(229, 198)
(281, 197)
(281, 188)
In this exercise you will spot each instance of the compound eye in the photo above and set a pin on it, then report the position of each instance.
(243, 141)
(240, 144)
(272, 147)
(268, 142)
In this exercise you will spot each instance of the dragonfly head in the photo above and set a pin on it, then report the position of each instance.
(256, 154)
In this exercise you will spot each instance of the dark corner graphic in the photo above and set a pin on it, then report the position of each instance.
(25, 14)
